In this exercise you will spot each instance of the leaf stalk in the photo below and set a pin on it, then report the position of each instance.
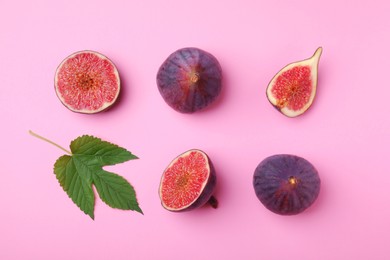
(49, 141)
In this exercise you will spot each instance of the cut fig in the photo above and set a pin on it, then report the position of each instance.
(189, 80)
(87, 82)
(188, 182)
(293, 88)
(286, 184)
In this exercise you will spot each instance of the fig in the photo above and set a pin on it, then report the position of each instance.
(292, 90)
(87, 82)
(286, 184)
(189, 80)
(188, 182)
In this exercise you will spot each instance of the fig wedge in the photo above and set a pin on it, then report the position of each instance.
(293, 89)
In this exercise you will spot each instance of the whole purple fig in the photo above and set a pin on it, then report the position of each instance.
(286, 184)
(189, 80)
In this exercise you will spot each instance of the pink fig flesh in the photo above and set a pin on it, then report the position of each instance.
(87, 82)
(188, 182)
(292, 90)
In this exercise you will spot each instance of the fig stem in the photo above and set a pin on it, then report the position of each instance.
(51, 142)
(213, 202)
(318, 52)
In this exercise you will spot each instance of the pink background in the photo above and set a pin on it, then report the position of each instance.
(345, 134)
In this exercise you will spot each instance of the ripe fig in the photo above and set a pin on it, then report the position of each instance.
(286, 184)
(188, 182)
(87, 82)
(293, 88)
(189, 80)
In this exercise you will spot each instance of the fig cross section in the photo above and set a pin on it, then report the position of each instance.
(188, 182)
(292, 90)
(87, 82)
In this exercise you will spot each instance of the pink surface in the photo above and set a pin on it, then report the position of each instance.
(345, 134)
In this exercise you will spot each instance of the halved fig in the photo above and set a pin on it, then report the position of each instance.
(189, 80)
(188, 182)
(293, 88)
(87, 82)
(286, 184)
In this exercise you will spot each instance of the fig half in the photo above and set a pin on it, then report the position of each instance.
(188, 182)
(87, 82)
(286, 184)
(293, 88)
(189, 80)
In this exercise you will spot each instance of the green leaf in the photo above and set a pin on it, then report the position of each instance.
(96, 151)
(115, 191)
(79, 189)
(83, 168)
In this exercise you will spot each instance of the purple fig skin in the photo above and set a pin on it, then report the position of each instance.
(286, 184)
(189, 80)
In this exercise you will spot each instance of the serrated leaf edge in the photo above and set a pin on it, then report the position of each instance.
(135, 207)
(92, 214)
(134, 157)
